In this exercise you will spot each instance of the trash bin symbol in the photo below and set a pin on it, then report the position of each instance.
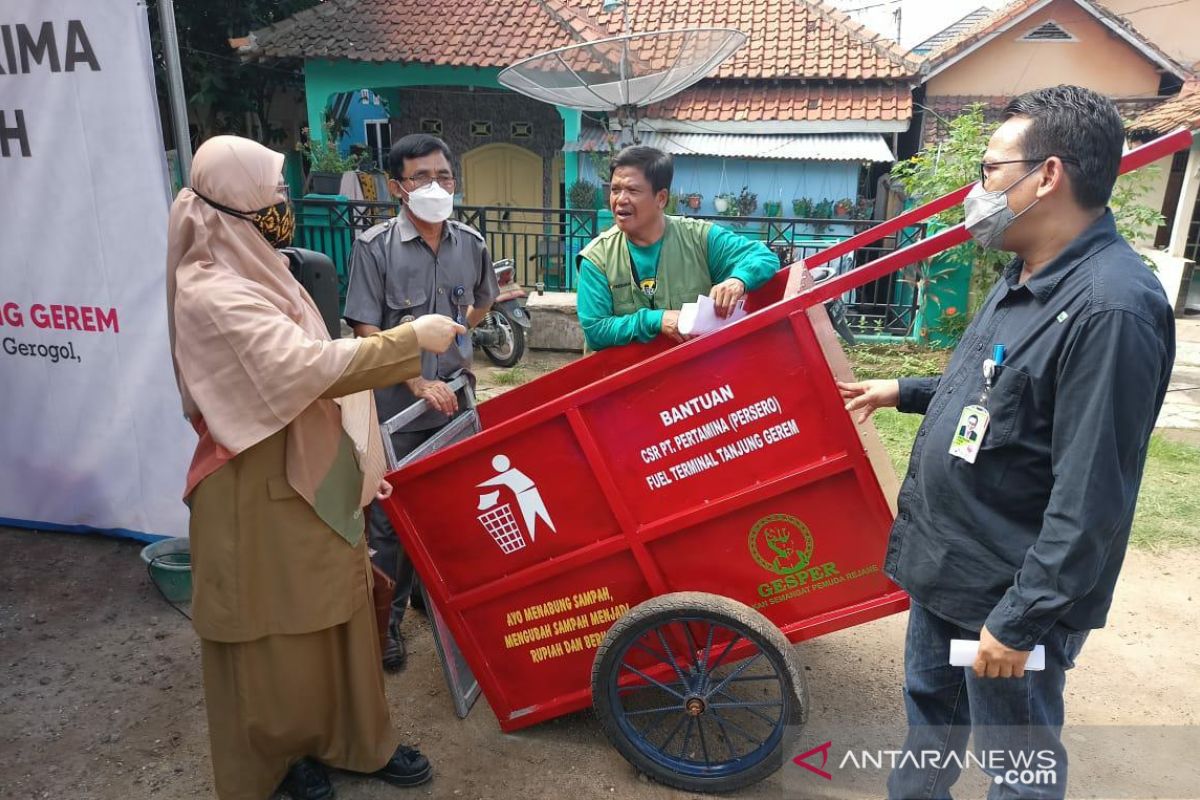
(502, 525)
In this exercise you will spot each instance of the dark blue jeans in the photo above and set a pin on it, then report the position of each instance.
(1017, 722)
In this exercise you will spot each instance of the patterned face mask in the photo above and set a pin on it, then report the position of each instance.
(276, 223)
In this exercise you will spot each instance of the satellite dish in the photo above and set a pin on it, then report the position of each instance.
(623, 73)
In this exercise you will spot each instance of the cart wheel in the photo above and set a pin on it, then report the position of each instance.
(680, 710)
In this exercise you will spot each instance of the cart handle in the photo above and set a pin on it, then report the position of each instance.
(952, 237)
(420, 407)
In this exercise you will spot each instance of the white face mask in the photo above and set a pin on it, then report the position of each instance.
(431, 203)
(988, 215)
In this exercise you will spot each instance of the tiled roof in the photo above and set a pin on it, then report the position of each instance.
(762, 102)
(1182, 111)
(788, 38)
(481, 33)
(1014, 12)
(953, 31)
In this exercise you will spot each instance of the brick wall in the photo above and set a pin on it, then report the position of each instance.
(511, 119)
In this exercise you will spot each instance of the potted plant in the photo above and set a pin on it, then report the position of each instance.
(864, 208)
(694, 200)
(747, 202)
(725, 204)
(326, 163)
(673, 200)
(822, 211)
(773, 208)
(583, 194)
(802, 207)
(843, 207)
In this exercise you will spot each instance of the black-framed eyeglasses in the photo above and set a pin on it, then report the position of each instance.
(984, 166)
(423, 179)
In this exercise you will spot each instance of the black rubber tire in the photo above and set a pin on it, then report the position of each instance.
(518, 337)
(732, 614)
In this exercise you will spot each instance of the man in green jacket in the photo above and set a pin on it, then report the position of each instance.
(634, 277)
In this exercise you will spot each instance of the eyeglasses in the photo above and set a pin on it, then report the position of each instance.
(423, 179)
(984, 166)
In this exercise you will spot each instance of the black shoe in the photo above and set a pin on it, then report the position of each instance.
(407, 768)
(395, 655)
(307, 780)
(417, 600)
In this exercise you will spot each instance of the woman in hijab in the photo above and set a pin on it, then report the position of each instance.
(289, 454)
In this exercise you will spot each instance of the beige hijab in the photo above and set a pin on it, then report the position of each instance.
(252, 354)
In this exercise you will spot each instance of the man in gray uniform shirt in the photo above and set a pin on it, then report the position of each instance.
(420, 262)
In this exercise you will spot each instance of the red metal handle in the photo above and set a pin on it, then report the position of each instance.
(952, 237)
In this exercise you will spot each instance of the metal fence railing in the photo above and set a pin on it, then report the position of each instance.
(887, 306)
(543, 243)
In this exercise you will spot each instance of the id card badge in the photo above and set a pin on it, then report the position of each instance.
(968, 434)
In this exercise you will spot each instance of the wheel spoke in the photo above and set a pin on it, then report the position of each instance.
(725, 652)
(663, 641)
(650, 651)
(687, 736)
(703, 743)
(754, 711)
(755, 704)
(708, 648)
(682, 719)
(629, 689)
(691, 642)
(739, 729)
(657, 723)
(646, 677)
(641, 711)
(740, 669)
(725, 733)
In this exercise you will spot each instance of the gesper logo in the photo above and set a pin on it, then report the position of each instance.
(782, 544)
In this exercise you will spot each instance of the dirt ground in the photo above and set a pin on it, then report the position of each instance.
(100, 695)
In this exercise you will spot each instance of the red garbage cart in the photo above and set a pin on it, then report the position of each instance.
(648, 530)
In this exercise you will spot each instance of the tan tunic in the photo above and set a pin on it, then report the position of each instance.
(290, 654)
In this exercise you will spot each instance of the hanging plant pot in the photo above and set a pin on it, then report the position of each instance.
(325, 182)
(693, 201)
(721, 204)
(773, 208)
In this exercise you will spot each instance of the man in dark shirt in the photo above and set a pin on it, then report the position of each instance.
(419, 262)
(1069, 359)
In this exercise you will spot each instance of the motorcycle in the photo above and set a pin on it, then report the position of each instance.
(501, 335)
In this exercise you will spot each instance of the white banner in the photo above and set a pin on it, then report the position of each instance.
(91, 432)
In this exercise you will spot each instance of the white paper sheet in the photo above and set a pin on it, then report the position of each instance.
(963, 652)
(700, 317)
